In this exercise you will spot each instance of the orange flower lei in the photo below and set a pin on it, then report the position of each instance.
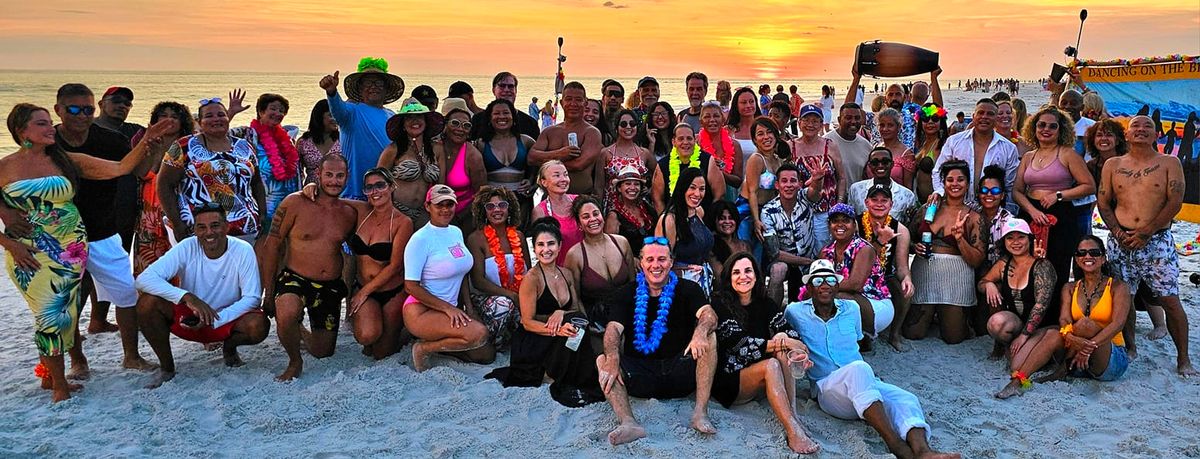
(510, 283)
(867, 232)
(41, 371)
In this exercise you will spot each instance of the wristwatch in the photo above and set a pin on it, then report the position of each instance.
(1058, 194)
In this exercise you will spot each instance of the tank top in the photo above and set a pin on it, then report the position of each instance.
(890, 270)
(570, 228)
(828, 184)
(1053, 177)
(748, 148)
(695, 251)
(546, 302)
(664, 165)
(1101, 312)
(459, 181)
(1022, 300)
(593, 287)
(491, 270)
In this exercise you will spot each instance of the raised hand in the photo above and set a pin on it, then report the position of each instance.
(817, 178)
(236, 102)
(330, 82)
(959, 224)
(1039, 248)
(154, 134)
(883, 233)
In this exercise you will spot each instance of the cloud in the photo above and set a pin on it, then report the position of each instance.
(614, 6)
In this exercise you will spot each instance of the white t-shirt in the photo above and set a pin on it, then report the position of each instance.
(854, 154)
(229, 284)
(439, 259)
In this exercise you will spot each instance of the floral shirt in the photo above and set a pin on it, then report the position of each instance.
(875, 288)
(310, 157)
(210, 176)
(908, 125)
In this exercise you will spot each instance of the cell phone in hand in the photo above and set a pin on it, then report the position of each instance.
(572, 139)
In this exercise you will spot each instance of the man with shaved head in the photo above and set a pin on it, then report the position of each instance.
(895, 98)
(1139, 194)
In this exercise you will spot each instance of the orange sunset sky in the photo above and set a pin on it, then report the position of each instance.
(734, 39)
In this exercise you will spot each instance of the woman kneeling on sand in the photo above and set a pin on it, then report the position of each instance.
(1090, 341)
(438, 309)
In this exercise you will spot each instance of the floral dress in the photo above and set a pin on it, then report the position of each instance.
(61, 242)
(875, 288)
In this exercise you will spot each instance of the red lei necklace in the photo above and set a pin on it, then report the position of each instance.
(509, 283)
(706, 144)
(281, 154)
(640, 220)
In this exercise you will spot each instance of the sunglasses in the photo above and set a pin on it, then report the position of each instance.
(880, 162)
(616, 94)
(991, 190)
(655, 240)
(502, 205)
(823, 280)
(931, 119)
(628, 124)
(460, 124)
(214, 100)
(1094, 253)
(1043, 125)
(75, 110)
(373, 187)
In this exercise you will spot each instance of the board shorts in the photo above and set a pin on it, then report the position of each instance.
(322, 300)
(1156, 265)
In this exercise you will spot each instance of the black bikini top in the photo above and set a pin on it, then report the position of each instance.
(379, 251)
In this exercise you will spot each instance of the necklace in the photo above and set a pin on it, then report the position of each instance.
(1090, 297)
(868, 231)
(673, 167)
(647, 344)
(512, 283)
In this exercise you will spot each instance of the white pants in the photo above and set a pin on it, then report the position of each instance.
(884, 313)
(849, 391)
(108, 264)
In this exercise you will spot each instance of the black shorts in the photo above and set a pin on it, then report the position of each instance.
(322, 299)
(659, 378)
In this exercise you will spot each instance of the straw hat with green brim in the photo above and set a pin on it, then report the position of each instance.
(369, 66)
(395, 124)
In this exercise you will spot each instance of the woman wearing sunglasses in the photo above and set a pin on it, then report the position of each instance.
(376, 307)
(992, 215)
(1048, 179)
(460, 159)
(500, 261)
(756, 347)
(212, 166)
(621, 154)
(1089, 340)
(931, 136)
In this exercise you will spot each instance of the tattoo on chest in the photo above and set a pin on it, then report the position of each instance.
(1137, 174)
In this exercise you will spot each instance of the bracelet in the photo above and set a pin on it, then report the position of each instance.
(1066, 329)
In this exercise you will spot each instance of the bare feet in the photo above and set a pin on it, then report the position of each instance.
(1131, 352)
(701, 423)
(866, 345)
(96, 327)
(801, 443)
(937, 455)
(368, 350)
(626, 433)
(79, 372)
(1157, 333)
(292, 372)
(49, 385)
(232, 359)
(897, 342)
(420, 356)
(209, 347)
(160, 378)
(1185, 368)
(138, 363)
(61, 395)
(900, 449)
(1013, 388)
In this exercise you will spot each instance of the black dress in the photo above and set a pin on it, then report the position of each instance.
(576, 380)
(742, 337)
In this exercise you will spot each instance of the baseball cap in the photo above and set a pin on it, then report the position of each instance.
(460, 88)
(119, 90)
(879, 188)
(647, 80)
(841, 208)
(424, 93)
(811, 109)
(1015, 225)
(439, 193)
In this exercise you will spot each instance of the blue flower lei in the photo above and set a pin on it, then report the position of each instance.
(641, 342)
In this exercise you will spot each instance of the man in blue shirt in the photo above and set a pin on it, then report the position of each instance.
(845, 385)
(363, 120)
(534, 110)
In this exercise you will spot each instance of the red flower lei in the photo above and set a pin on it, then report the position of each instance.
(280, 152)
(509, 283)
(642, 218)
(726, 147)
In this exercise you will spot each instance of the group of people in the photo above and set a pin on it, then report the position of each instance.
(622, 252)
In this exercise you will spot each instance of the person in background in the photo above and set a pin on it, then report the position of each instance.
(654, 129)
(555, 182)
(150, 236)
(904, 202)
(980, 146)
(464, 91)
(581, 156)
(764, 99)
(647, 90)
(696, 86)
(321, 138)
(623, 153)
(685, 154)
(362, 119)
(115, 105)
(959, 124)
(904, 166)
(740, 119)
(426, 96)
(461, 161)
(812, 152)
(724, 95)
(930, 139)
(547, 115)
(504, 86)
(853, 148)
(411, 157)
(534, 110)
(722, 220)
(794, 104)
(612, 94)
(629, 214)
(593, 114)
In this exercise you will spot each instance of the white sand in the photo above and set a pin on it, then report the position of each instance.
(351, 406)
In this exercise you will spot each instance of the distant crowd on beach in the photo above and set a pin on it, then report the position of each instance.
(724, 249)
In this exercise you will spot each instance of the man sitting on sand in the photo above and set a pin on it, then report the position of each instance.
(670, 349)
(845, 385)
(1139, 194)
(306, 237)
(217, 297)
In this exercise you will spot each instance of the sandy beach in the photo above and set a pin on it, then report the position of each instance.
(351, 406)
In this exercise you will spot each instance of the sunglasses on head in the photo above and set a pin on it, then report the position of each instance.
(214, 100)
(655, 240)
(373, 187)
(78, 109)
(991, 190)
(880, 161)
(823, 280)
(502, 205)
(1045, 125)
(627, 124)
(1094, 253)
(458, 123)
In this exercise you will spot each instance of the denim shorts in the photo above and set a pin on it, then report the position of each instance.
(1118, 362)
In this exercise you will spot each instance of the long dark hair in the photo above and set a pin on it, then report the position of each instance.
(735, 116)
(678, 205)
(607, 136)
(187, 124)
(662, 141)
(723, 295)
(781, 149)
(19, 117)
(400, 138)
(720, 248)
(486, 131)
(316, 124)
(943, 130)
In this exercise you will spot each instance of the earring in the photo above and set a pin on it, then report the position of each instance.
(27, 144)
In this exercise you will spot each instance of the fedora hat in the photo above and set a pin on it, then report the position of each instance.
(821, 268)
